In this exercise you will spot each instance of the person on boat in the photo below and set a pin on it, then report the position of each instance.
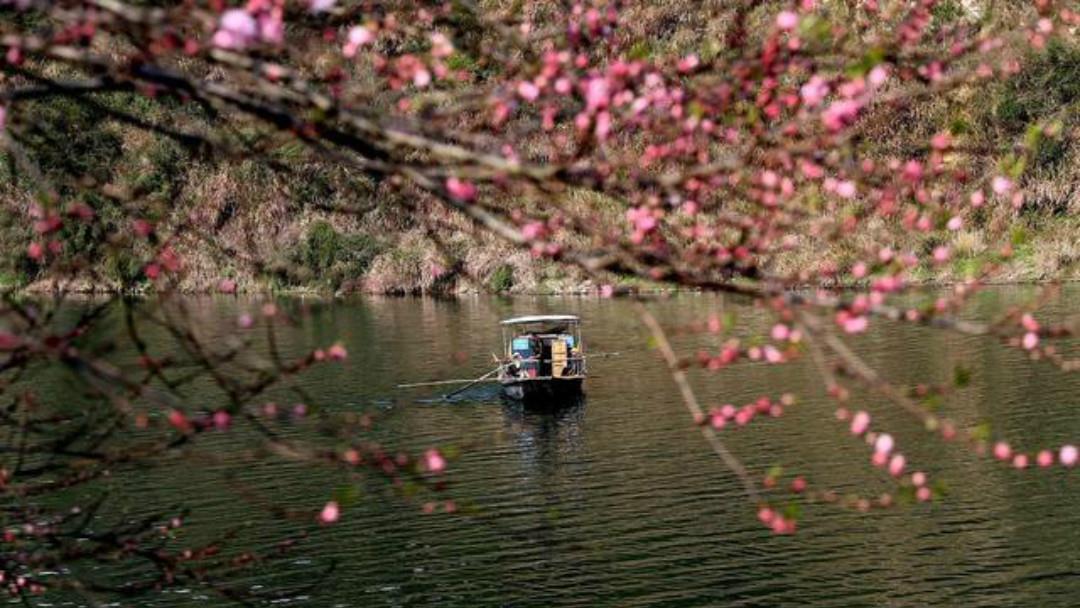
(524, 356)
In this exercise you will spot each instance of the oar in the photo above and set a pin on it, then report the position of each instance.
(445, 382)
(471, 384)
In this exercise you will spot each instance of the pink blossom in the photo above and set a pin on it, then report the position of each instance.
(337, 352)
(913, 171)
(840, 114)
(528, 91)
(179, 421)
(744, 416)
(896, 465)
(860, 423)
(856, 324)
(727, 411)
(597, 94)
(1002, 451)
(357, 37)
(1029, 322)
(1001, 185)
(441, 46)
(879, 459)
(846, 189)
(941, 141)
(1030, 340)
(798, 485)
(642, 219)
(227, 286)
(460, 190)
(1068, 455)
(948, 431)
(236, 29)
(787, 20)
(142, 228)
(360, 35)
(918, 479)
(434, 461)
(330, 513)
(923, 494)
(222, 420)
(977, 198)
(1020, 461)
(782, 525)
(688, 63)
(884, 443)
(811, 170)
(603, 125)
(878, 76)
(1044, 458)
(35, 251)
(859, 270)
(272, 28)
(533, 231)
(941, 254)
(244, 321)
(772, 355)
(780, 332)
(955, 223)
(814, 91)
(321, 6)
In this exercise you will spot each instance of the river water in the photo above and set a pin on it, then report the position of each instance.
(617, 501)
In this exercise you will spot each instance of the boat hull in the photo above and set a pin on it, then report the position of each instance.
(537, 389)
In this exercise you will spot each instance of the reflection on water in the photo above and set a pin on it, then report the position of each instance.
(613, 499)
(546, 433)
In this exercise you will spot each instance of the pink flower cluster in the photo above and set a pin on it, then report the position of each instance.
(885, 454)
(260, 21)
(644, 221)
(1068, 455)
(720, 417)
(776, 521)
(359, 36)
(1030, 340)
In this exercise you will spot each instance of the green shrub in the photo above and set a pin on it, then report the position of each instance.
(333, 258)
(946, 13)
(1049, 84)
(71, 139)
(164, 178)
(124, 267)
(502, 279)
(321, 247)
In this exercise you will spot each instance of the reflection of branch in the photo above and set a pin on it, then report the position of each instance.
(855, 365)
(679, 376)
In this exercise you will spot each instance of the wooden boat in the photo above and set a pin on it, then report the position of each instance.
(543, 357)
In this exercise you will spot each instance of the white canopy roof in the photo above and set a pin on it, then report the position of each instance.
(541, 319)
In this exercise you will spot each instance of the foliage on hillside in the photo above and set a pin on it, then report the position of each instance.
(314, 224)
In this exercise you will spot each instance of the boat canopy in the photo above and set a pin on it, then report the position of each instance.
(541, 319)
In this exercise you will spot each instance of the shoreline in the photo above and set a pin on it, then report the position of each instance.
(582, 290)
